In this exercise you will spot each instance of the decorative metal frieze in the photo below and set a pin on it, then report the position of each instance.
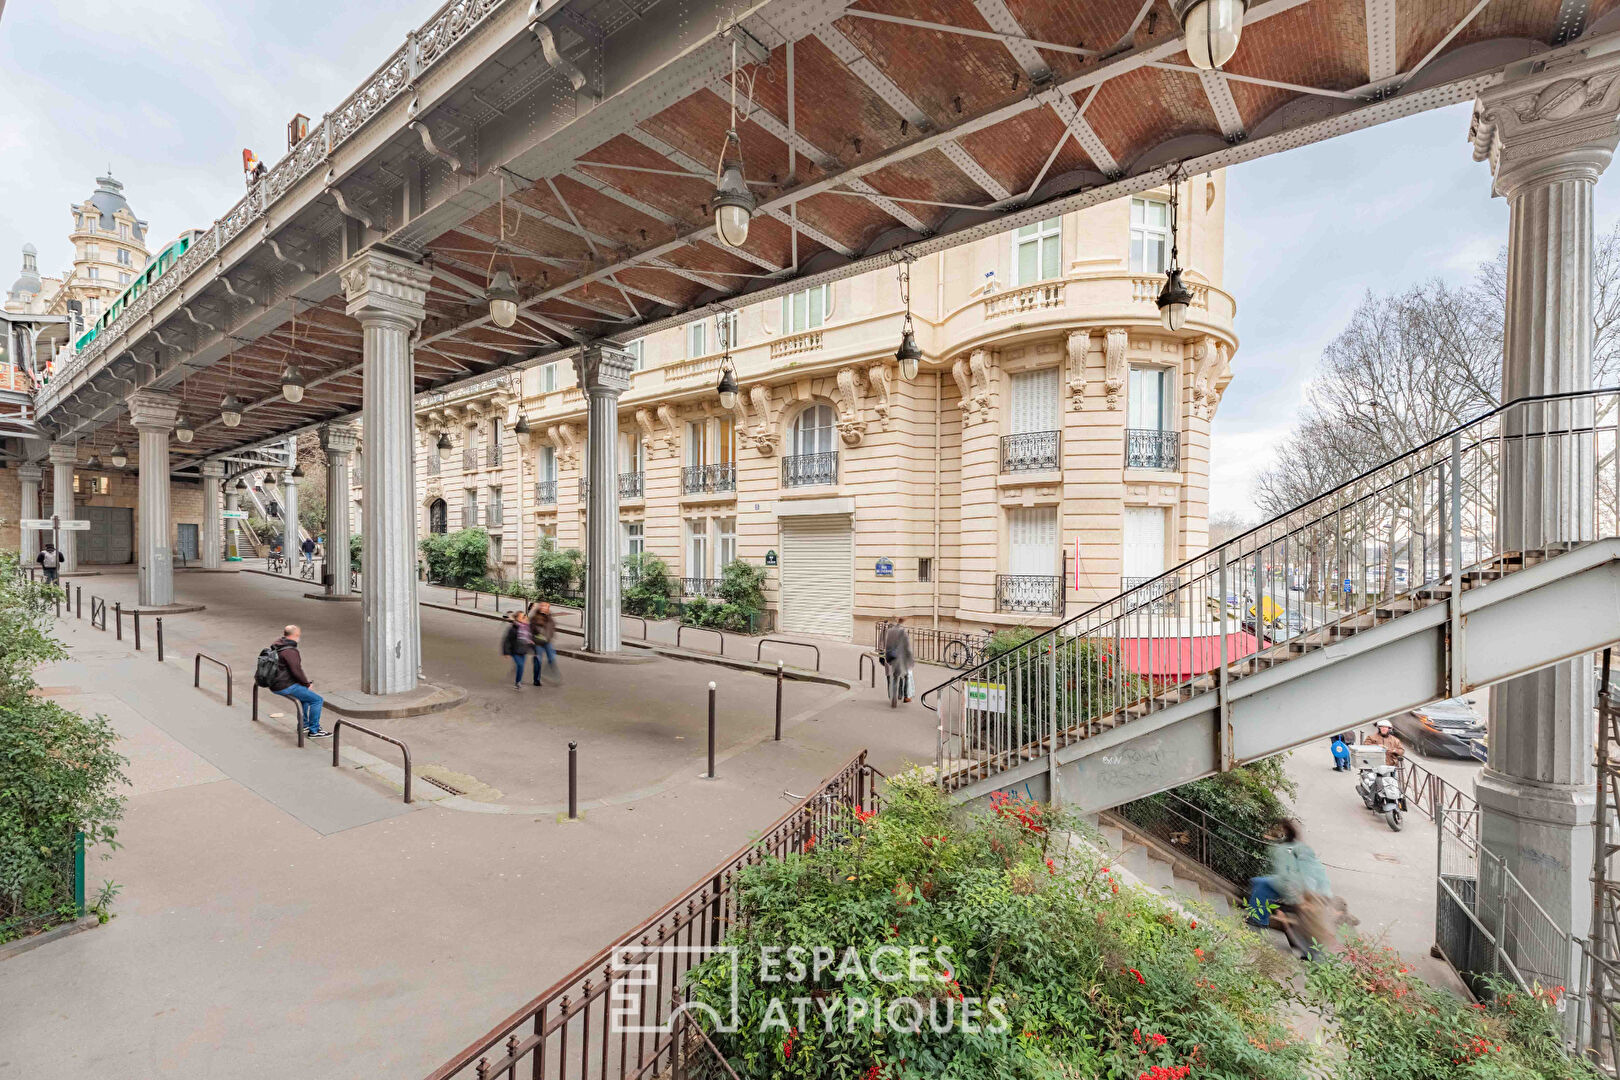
(1150, 448)
(808, 470)
(1031, 451)
(1036, 593)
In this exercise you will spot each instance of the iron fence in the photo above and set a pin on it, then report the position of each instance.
(1230, 852)
(948, 648)
(54, 895)
(709, 479)
(701, 586)
(1151, 448)
(1035, 594)
(545, 492)
(809, 470)
(1470, 506)
(1031, 451)
(580, 1026)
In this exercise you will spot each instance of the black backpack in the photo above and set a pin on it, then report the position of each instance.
(264, 670)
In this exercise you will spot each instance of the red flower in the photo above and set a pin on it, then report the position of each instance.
(1051, 867)
(1193, 925)
(810, 843)
(1198, 953)
(1138, 975)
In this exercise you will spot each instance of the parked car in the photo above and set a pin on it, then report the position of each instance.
(1449, 728)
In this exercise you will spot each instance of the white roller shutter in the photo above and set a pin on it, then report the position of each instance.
(1144, 541)
(818, 576)
(1035, 401)
(1033, 536)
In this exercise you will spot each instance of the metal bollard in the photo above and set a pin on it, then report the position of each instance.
(573, 781)
(118, 619)
(255, 716)
(58, 605)
(78, 598)
(711, 731)
(779, 701)
(137, 631)
(160, 642)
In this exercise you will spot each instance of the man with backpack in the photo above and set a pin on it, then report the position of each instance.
(280, 669)
(51, 560)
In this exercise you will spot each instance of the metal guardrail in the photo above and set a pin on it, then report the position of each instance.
(862, 664)
(810, 470)
(1032, 451)
(1152, 448)
(715, 479)
(1036, 594)
(196, 675)
(797, 644)
(949, 648)
(337, 737)
(562, 1033)
(703, 629)
(1234, 855)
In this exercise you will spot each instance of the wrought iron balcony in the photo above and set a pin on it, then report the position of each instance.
(1152, 448)
(434, 466)
(631, 484)
(469, 459)
(809, 470)
(469, 517)
(496, 515)
(584, 488)
(1031, 451)
(1161, 594)
(709, 479)
(1034, 593)
(700, 586)
(492, 455)
(545, 492)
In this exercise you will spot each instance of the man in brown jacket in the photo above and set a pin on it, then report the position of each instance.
(1394, 749)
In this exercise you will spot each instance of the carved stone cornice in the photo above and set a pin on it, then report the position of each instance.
(847, 399)
(1558, 122)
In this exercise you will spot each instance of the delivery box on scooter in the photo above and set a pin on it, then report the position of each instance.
(1366, 757)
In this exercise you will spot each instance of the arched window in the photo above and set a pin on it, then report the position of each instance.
(814, 430)
(438, 517)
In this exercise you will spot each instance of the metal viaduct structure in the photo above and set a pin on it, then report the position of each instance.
(575, 145)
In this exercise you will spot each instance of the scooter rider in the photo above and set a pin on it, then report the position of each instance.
(1394, 749)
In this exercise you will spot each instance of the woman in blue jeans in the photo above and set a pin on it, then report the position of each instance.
(518, 643)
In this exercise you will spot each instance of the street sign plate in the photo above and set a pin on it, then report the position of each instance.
(234, 515)
(47, 523)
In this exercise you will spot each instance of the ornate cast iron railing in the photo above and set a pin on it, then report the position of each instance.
(700, 586)
(545, 492)
(1031, 451)
(1037, 594)
(948, 648)
(469, 459)
(808, 470)
(577, 1027)
(631, 484)
(1150, 448)
(709, 479)
(492, 455)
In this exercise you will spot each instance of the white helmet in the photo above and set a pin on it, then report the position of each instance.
(1385, 723)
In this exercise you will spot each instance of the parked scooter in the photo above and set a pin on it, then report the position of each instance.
(1379, 785)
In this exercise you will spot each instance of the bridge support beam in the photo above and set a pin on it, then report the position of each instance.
(212, 530)
(153, 414)
(29, 475)
(338, 440)
(1548, 136)
(604, 373)
(64, 457)
(386, 292)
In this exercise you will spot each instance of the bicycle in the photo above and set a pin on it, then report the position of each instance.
(276, 564)
(307, 571)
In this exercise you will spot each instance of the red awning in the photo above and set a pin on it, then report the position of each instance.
(1181, 656)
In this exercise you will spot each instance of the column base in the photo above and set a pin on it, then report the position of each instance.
(426, 698)
(352, 597)
(164, 609)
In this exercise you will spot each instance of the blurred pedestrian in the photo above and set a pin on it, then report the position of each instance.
(543, 630)
(518, 643)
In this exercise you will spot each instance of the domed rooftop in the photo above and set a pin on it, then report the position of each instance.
(28, 283)
(109, 199)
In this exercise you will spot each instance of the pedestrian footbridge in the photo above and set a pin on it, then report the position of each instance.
(1486, 554)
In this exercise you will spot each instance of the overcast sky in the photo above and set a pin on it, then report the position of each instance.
(179, 87)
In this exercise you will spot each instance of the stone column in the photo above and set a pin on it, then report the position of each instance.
(1548, 136)
(64, 456)
(289, 506)
(338, 440)
(604, 373)
(233, 548)
(153, 414)
(212, 529)
(386, 293)
(30, 475)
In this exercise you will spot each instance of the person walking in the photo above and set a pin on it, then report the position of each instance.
(542, 630)
(308, 548)
(518, 643)
(51, 560)
(290, 681)
(1297, 889)
(897, 656)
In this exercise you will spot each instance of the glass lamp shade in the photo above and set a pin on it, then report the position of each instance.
(94, 462)
(733, 206)
(118, 457)
(908, 355)
(444, 440)
(1174, 300)
(183, 432)
(292, 384)
(503, 299)
(1213, 28)
(230, 411)
(728, 388)
(522, 425)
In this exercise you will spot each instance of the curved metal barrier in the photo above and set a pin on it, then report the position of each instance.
(639, 619)
(337, 736)
(868, 660)
(704, 629)
(778, 641)
(196, 675)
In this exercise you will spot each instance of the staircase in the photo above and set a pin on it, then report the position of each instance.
(1149, 867)
(1481, 555)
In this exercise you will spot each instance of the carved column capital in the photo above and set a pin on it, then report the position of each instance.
(1557, 123)
(211, 470)
(382, 286)
(153, 410)
(339, 438)
(603, 367)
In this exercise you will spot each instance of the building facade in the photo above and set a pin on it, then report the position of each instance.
(1053, 448)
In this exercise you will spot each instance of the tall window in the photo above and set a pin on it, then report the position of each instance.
(635, 538)
(548, 377)
(123, 230)
(725, 330)
(435, 455)
(697, 548)
(1150, 236)
(469, 510)
(548, 463)
(806, 310)
(92, 252)
(123, 257)
(1149, 403)
(93, 273)
(697, 338)
(630, 450)
(1037, 251)
(711, 441)
(1035, 401)
(496, 511)
(814, 431)
(637, 350)
(726, 552)
(123, 278)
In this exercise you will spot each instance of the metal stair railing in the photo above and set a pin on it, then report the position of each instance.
(1413, 532)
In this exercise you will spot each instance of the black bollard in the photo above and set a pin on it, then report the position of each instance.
(59, 605)
(573, 781)
(160, 643)
(711, 731)
(137, 631)
(78, 600)
(118, 619)
(779, 701)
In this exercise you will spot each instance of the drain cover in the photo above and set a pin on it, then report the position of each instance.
(447, 787)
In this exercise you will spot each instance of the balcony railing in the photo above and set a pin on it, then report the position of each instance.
(1034, 593)
(695, 368)
(797, 345)
(809, 470)
(709, 479)
(469, 459)
(1160, 594)
(584, 488)
(1145, 290)
(496, 515)
(434, 466)
(1151, 448)
(545, 492)
(1031, 451)
(700, 586)
(469, 517)
(1046, 294)
(631, 484)
(492, 456)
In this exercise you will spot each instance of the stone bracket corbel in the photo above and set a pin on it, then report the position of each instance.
(878, 377)
(764, 420)
(1115, 343)
(1079, 347)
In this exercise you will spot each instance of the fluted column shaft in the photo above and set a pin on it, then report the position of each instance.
(233, 548)
(30, 477)
(64, 456)
(212, 524)
(386, 293)
(289, 505)
(604, 372)
(154, 414)
(338, 440)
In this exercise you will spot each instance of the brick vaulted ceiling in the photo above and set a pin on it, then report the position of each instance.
(897, 122)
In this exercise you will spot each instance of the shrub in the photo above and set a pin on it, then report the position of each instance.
(1095, 979)
(355, 548)
(743, 584)
(59, 771)
(556, 571)
(457, 558)
(649, 589)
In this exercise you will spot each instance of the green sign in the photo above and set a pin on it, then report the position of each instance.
(770, 558)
